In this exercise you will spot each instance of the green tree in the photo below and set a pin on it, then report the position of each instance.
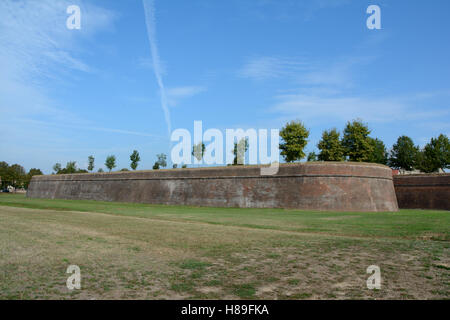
(379, 154)
(174, 166)
(35, 172)
(4, 174)
(57, 168)
(312, 156)
(356, 141)
(110, 162)
(435, 155)
(198, 150)
(30, 174)
(71, 167)
(91, 163)
(135, 158)
(330, 146)
(17, 175)
(295, 137)
(404, 154)
(239, 150)
(100, 170)
(161, 162)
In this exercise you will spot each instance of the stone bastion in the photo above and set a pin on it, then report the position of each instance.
(327, 186)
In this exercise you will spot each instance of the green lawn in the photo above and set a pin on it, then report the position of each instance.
(128, 250)
(414, 224)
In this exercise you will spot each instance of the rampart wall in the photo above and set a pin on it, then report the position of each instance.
(334, 186)
(423, 191)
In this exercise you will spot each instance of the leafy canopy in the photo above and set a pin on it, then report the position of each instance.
(435, 155)
(404, 154)
(91, 163)
(294, 137)
(356, 141)
(330, 146)
(110, 162)
(135, 158)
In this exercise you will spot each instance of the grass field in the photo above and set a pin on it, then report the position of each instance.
(138, 251)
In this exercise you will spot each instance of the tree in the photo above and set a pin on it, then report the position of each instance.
(198, 150)
(404, 154)
(312, 156)
(239, 150)
(4, 174)
(379, 154)
(110, 162)
(91, 163)
(174, 166)
(435, 155)
(161, 162)
(57, 168)
(100, 170)
(30, 174)
(35, 172)
(124, 169)
(135, 158)
(356, 141)
(12, 175)
(17, 175)
(71, 167)
(330, 146)
(294, 136)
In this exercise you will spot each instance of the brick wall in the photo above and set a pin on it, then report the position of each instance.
(423, 191)
(313, 186)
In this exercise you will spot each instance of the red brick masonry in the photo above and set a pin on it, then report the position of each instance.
(334, 186)
(423, 191)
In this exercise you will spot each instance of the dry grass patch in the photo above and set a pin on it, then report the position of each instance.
(136, 257)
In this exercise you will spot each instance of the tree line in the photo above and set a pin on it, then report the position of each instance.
(110, 164)
(356, 144)
(15, 175)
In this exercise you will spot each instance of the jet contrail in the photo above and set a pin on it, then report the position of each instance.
(149, 10)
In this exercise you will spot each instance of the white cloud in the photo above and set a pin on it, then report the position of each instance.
(306, 71)
(35, 40)
(345, 107)
(36, 46)
(332, 90)
(178, 93)
(263, 68)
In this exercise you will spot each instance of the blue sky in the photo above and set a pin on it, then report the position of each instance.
(66, 94)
